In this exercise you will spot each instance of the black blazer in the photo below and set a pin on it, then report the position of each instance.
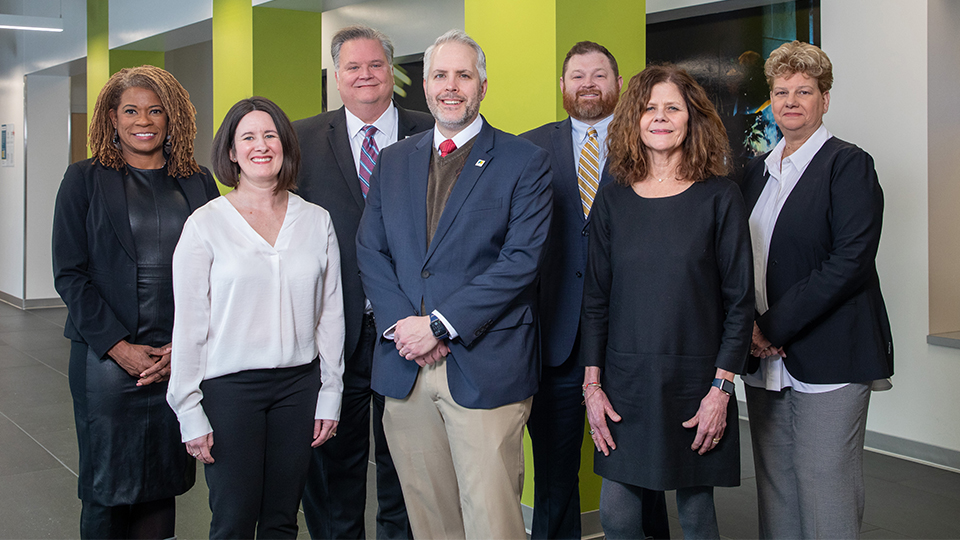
(565, 258)
(328, 177)
(94, 257)
(823, 290)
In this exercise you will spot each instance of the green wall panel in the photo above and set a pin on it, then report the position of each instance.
(287, 60)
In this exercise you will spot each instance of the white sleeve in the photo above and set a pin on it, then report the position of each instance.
(192, 262)
(330, 332)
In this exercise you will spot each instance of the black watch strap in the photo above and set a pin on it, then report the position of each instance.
(437, 327)
(725, 386)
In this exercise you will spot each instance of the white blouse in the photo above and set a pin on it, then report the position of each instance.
(243, 304)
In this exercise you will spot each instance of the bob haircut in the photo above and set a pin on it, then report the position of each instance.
(799, 57)
(706, 150)
(227, 171)
(181, 119)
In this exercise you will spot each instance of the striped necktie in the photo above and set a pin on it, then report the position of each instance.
(368, 157)
(588, 172)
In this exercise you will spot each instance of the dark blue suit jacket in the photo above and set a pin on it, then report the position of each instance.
(823, 290)
(479, 271)
(565, 258)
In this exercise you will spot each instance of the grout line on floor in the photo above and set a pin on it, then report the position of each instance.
(54, 456)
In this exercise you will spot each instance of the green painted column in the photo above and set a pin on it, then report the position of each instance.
(232, 55)
(98, 53)
(287, 60)
(122, 58)
(525, 43)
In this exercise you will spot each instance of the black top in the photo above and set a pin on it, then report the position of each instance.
(157, 210)
(668, 298)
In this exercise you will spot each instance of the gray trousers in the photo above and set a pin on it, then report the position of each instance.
(808, 451)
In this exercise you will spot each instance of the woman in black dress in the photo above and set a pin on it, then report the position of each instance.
(117, 220)
(667, 307)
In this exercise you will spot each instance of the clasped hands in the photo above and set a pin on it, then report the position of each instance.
(147, 364)
(415, 341)
(761, 346)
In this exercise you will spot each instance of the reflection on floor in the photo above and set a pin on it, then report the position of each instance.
(38, 459)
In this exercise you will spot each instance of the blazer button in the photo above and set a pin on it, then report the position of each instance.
(579, 274)
(584, 233)
(425, 274)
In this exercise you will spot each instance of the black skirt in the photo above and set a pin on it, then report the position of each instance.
(130, 449)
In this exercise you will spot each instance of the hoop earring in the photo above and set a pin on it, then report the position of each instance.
(116, 139)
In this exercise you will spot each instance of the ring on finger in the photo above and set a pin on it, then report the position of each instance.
(592, 432)
(716, 441)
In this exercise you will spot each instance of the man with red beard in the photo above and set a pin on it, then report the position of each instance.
(590, 82)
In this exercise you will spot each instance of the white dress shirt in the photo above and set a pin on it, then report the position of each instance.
(784, 172)
(385, 136)
(243, 304)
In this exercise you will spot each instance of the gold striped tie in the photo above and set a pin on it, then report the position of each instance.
(588, 172)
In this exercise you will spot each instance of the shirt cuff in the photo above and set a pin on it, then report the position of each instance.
(193, 424)
(451, 331)
(328, 405)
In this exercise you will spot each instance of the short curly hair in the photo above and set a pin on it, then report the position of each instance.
(706, 148)
(181, 118)
(799, 57)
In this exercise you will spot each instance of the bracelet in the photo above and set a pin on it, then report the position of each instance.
(588, 385)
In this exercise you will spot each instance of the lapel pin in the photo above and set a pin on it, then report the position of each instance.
(479, 163)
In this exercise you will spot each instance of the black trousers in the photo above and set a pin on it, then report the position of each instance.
(335, 496)
(556, 433)
(262, 428)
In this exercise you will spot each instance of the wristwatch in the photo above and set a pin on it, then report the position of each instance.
(437, 327)
(725, 386)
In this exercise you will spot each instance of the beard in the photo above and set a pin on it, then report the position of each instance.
(451, 120)
(590, 110)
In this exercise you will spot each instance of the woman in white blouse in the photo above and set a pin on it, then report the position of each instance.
(258, 325)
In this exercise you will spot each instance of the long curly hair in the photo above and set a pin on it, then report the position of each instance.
(706, 149)
(181, 118)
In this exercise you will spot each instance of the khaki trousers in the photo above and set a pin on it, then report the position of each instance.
(461, 470)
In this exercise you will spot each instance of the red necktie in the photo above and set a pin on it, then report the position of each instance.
(446, 147)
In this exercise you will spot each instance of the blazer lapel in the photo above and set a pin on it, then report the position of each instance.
(192, 187)
(115, 201)
(418, 171)
(461, 190)
(340, 146)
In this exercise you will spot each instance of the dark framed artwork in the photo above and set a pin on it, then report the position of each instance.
(725, 52)
(408, 82)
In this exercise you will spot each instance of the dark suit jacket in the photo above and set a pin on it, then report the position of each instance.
(94, 257)
(823, 290)
(479, 271)
(328, 177)
(565, 257)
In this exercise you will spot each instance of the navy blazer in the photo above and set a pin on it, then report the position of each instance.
(565, 257)
(94, 256)
(479, 271)
(328, 177)
(823, 291)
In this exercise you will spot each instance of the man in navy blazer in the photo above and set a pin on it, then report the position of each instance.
(449, 247)
(590, 82)
(331, 144)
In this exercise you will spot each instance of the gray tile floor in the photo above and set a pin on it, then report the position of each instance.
(38, 459)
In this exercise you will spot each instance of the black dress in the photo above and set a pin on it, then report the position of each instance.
(130, 449)
(668, 298)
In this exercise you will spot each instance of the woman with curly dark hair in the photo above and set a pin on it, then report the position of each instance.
(667, 307)
(117, 220)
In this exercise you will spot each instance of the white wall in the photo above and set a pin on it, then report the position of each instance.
(48, 154)
(880, 102)
(193, 67)
(403, 20)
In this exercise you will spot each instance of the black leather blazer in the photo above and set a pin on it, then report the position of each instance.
(94, 258)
